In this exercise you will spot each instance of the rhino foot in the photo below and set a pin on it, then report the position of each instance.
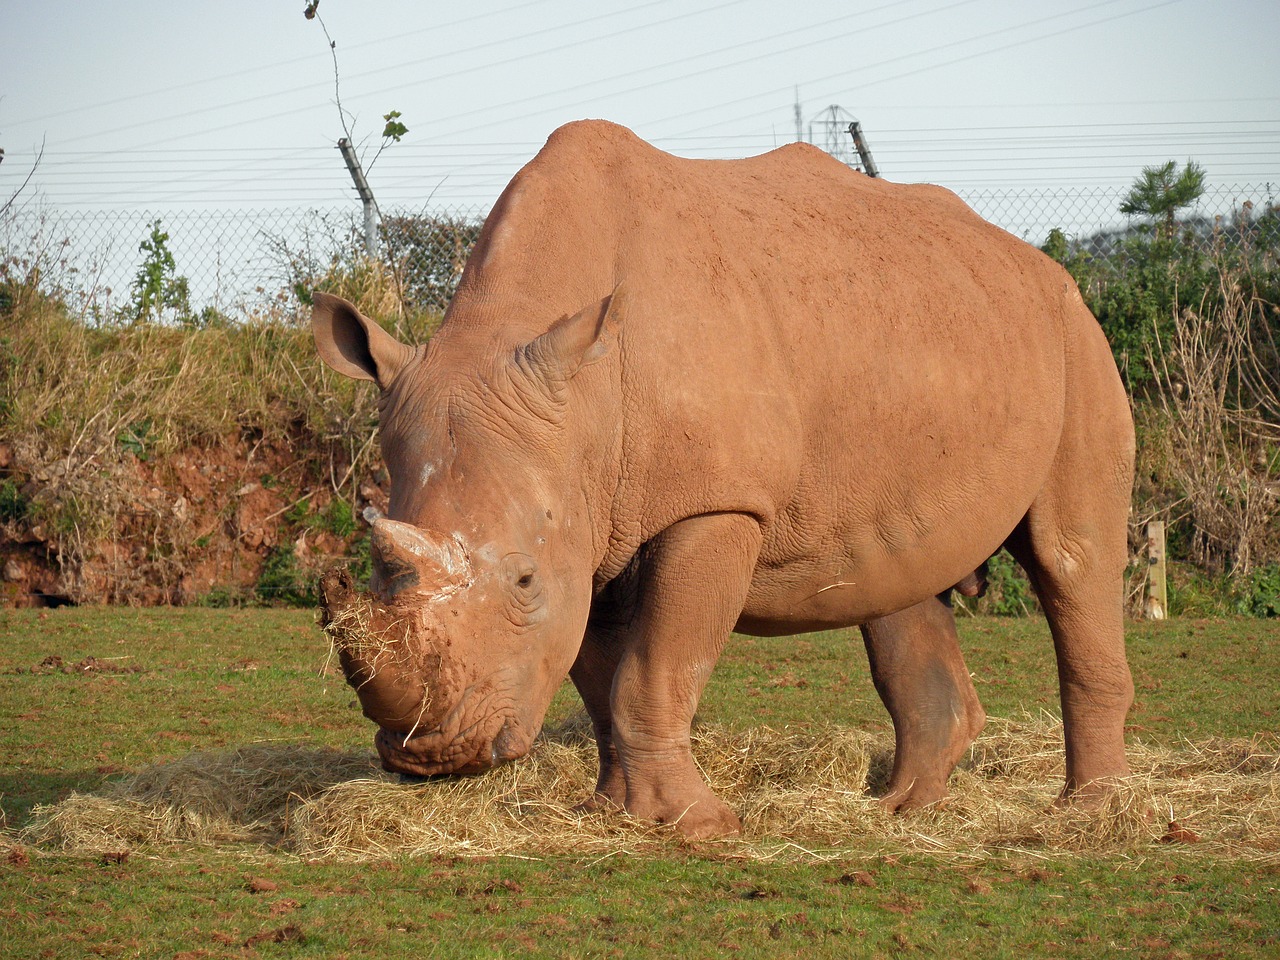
(707, 821)
(696, 815)
(610, 792)
(599, 803)
(914, 796)
(1092, 795)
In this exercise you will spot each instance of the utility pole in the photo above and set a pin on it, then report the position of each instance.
(799, 119)
(827, 131)
(864, 151)
(366, 197)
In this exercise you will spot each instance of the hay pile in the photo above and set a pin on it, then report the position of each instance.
(238, 796)
(797, 791)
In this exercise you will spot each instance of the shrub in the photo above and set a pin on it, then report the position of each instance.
(1009, 592)
(13, 505)
(339, 518)
(284, 581)
(1259, 593)
(157, 287)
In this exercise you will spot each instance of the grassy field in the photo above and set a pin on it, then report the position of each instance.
(88, 695)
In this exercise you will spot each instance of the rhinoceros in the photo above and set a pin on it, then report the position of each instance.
(676, 398)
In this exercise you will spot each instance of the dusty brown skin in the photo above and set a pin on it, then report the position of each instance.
(673, 398)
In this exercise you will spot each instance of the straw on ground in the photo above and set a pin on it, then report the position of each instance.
(799, 792)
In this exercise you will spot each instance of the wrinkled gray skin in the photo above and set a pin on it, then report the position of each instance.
(673, 398)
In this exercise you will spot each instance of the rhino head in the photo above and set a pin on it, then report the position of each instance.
(482, 568)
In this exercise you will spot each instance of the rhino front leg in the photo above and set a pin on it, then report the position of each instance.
(692, 583)
(592, 673)
(920, 674)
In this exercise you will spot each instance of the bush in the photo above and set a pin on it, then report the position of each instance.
(13, 505)
(1259, 593)
(284, 581)
(1191, 313)
(427, 254)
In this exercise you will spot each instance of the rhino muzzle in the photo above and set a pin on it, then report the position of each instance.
(429, 720)
(446, 751)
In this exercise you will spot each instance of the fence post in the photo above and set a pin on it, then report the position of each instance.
(366, 197)
(1157, 604)
(864, 151)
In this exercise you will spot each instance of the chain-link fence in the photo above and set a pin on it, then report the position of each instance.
(243, 264)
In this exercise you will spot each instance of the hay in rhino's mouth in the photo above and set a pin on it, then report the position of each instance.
(361, 630)
(452, 749)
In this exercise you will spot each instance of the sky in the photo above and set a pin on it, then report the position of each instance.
(169, 105)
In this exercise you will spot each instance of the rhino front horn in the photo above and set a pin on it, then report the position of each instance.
(404, 558)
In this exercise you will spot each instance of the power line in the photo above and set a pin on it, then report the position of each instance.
(306, 88)
(932, 66)
(247, 71)
(507, 105)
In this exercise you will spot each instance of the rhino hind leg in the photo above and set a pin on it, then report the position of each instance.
(921, 677)
(1073, 545)
(1081, 589)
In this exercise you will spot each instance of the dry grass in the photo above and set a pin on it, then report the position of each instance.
(358, 628)
(84, 405)
(1213, 425)
(239, 796)
(799, 792)
(84, 398)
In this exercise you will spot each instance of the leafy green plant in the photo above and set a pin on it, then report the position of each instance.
(298, 513)
(394, 129)
(340, 518)
(1259, 594)
(223, 597)
(1009, 592)
(1195, 593)
(284, 581)
(136, 438)
(13, 505)
(361, 564)
(157, 286)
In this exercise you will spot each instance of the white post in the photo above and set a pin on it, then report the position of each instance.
(1157, 604)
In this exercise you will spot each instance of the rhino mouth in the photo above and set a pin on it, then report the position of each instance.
(452, 748)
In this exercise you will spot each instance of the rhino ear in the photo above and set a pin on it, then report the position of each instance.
(574, 342)
(353, 344)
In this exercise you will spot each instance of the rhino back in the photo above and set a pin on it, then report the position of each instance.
(868, 367)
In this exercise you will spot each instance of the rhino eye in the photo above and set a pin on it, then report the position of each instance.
(520, 571)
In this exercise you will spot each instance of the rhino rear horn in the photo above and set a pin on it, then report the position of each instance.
(405, 558)
(354, 345)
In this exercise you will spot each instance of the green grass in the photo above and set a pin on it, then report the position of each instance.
(682, 906)
(1193, 678)
(199, 679)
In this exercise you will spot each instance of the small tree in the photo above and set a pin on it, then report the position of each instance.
(393, 127)
(1162, 191)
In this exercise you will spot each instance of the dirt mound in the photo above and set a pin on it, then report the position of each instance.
(240, 519)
